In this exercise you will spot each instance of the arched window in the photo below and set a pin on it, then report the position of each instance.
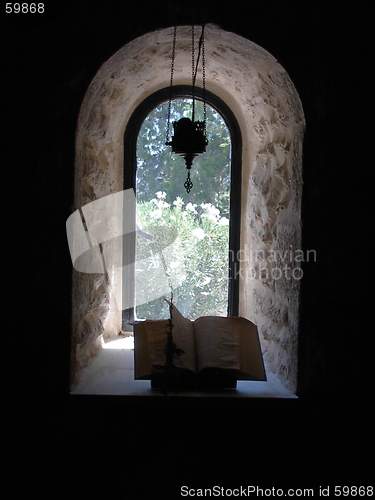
(269, 112)
(207, 220)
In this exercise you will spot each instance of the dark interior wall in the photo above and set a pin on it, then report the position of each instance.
(48, 66)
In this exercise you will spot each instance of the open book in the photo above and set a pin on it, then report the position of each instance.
(210, 344)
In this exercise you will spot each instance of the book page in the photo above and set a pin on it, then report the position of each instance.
(218, 343)
(251, 359)
(151, 338)
(231, 343)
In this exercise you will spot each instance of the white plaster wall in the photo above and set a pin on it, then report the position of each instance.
(270, 116)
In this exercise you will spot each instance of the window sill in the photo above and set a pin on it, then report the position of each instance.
(111, 373)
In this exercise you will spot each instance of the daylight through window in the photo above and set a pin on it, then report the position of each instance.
(199, 222)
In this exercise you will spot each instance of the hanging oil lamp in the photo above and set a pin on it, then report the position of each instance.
(189, 135)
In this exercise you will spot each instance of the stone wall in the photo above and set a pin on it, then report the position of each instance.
(270, 116)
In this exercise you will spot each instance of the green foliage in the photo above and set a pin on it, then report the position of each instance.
(199, 220)
(199, 255)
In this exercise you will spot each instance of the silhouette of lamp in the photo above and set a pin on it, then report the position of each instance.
(189, 136)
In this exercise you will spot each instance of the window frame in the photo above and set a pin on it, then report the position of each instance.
(130, 172)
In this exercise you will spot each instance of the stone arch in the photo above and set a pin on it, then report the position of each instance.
(269, 112)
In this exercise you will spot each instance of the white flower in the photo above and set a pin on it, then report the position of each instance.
(211, 212)
(178, 202)
(205, 206)
(156, 214)
(224, 221)
(161, 195)
(215, 212)
(191, 207)
(162, 204)
(198, 233)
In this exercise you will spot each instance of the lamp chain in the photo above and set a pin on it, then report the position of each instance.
(204, 81)
(201, 50)
(193, 70)
(171, 83)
